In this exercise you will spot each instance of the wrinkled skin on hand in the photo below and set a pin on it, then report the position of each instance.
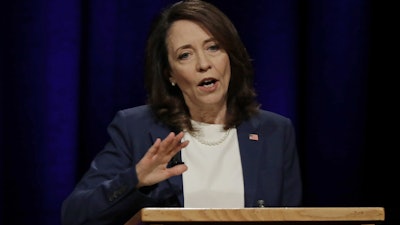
(152, 168)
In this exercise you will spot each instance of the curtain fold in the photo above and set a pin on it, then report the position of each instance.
(336, 95)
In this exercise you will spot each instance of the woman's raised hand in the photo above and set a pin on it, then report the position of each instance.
(152, 168)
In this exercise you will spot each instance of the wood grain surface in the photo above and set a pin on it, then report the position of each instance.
(330, 215)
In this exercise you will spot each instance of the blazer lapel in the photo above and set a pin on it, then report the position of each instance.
(250, 140)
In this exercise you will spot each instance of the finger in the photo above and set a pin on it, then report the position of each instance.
(180, 135)
(177, 144)
(169, 144)
(179, 148)
(183, 144)
(154, 148)
(178, 141)
(178, 138)
(177, 170)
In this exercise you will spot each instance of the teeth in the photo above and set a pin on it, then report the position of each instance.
(208, 85)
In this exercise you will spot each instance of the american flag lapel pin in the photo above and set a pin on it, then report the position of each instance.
(253, 137)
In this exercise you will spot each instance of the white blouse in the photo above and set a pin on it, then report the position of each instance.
(214, 178)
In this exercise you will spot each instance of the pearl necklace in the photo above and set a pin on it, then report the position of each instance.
(210, 143)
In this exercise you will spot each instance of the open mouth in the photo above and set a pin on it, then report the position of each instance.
(209, 82)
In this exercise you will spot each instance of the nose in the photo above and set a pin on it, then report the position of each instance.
(203, 62)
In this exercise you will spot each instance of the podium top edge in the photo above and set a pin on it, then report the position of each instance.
(176, 214)
(264, 208)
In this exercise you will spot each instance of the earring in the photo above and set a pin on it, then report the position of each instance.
(173, 84)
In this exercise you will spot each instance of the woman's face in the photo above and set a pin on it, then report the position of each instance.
(199, 67)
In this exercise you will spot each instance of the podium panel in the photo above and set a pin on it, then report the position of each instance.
(259, 216)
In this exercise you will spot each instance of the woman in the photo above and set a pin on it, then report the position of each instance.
(202, 140)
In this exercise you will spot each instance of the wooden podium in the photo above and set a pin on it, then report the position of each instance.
(255, 216)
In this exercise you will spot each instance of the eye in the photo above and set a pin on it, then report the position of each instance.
(184, 55)
(214, 47)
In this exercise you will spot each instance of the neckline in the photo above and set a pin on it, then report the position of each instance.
(206, 131)
(210, 143)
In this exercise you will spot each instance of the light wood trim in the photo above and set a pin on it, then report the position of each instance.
(365, 215)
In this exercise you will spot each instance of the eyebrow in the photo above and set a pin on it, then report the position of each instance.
(211, 39)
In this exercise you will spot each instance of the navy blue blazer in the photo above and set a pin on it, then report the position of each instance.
(106, 193)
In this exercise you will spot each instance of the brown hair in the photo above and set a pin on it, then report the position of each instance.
(166, 100)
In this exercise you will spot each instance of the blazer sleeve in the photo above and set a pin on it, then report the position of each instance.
(107, 192)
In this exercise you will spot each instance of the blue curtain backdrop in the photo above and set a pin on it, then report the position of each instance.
(68, 66)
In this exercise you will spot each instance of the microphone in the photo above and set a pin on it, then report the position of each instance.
(176, 160)
(260, 203)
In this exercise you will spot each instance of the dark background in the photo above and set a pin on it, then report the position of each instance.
(67, 66)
